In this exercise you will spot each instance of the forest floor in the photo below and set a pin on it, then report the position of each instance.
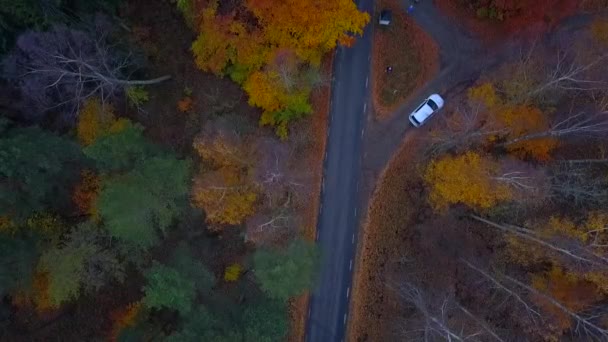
(391, 212)
(412, 54)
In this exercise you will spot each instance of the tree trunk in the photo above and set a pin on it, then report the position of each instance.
(143, 82)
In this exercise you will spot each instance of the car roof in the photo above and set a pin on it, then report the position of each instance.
(424, 112)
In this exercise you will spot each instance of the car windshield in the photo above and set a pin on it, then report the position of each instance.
(433, 105)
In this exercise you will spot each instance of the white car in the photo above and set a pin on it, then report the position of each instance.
(429, 107)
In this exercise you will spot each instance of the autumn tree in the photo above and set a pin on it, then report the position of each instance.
(135, 205)
(286, 273)
(225, 189)
(85, 192)
(95, 120)
(575, 293)
(524, 120)
(37, 170)
(468, 179)
(271, 59)
(511, 121)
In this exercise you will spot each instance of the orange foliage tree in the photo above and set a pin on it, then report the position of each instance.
(40, 288)
(96, 120)
(599, 31)
(85, 193)
(569, 289)
(567, 280)
(124, 318)
(466, 179)
(523, 120)
(247, 44)
(225, 189)
(514, 121)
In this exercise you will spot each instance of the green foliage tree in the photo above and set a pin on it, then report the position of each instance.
(19, 15)
(122, 150)
(168, 288)
(184, 261)
(201, 325)
(66, 269)
(266, 322)
(286, 273)
(37, 170)
(135, 205)
(80, 263)
(18, 256)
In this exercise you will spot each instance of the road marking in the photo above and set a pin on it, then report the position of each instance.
(350, 265)
(353, 239)
(355, 212)
(344, 318)
(347, 295)
(308, 312)
(366, 81)
(362, 130)
(364, 107)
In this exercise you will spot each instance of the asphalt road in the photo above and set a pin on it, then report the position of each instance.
(338, 219)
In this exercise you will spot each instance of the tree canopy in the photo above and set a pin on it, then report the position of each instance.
(168, 288)
(286, 273)
(271, 58)
(37, 170)
(137, 205)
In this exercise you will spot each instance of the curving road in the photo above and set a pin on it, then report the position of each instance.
(349, 178)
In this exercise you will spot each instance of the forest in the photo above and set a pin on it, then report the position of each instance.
(160, 166)
(490, 223)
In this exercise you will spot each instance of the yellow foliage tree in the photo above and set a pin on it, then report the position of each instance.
(230, 44)
(465, 179)
(591, 234)
(226, 192)
(225, 195)
(484, 94)
(94, 121)
(232, 273)
(522, 120)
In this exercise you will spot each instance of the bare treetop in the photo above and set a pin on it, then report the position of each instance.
(59, 69)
